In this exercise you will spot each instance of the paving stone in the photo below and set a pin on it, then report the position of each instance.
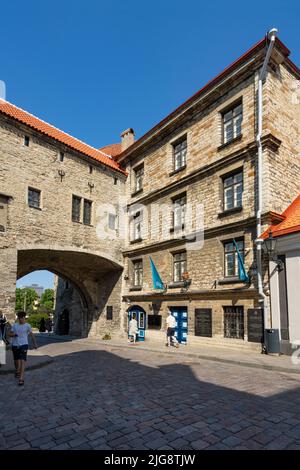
(200, 444)
(91, 395)
(231, 441)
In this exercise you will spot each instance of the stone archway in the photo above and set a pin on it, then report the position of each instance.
(96, 278)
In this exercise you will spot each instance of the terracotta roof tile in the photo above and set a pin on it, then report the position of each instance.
(291, 222)
(28, 119)
(113, 150)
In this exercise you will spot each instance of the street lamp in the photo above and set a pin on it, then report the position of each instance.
(270, 245)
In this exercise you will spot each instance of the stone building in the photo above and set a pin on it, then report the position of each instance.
(205, 154)
(57, 195)
(189, 186)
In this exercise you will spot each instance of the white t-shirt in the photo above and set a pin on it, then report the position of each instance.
(171, 322)
(133, 328)
(22, 331)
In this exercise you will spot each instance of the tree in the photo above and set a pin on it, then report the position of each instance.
(25, 299)
(47, 299)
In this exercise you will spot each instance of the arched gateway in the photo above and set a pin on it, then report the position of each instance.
(57, 199)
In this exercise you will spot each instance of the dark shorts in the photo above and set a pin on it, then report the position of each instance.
(170, 331)
(20, 352)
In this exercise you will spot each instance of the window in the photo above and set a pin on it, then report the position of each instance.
(87, 212)
(34, 198)
(112, 218)
(179, 260)
(115, 181)
(61, 156)
(109, 312)
(231, 257)
(234, 322)
(154, 322)
(76, 205)
(138, 178)
(26, 140)
(138, 273)
(91, 169)
(137, 226)
(179, 210)
(233, 191)
(179, 152)
(232, 123)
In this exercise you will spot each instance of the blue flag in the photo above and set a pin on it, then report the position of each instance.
(157, 282)
(243, 276)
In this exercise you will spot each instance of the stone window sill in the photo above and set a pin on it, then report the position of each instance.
(234, 210)
(36, 208)
(236, 139)
(135, 193)
(178, 170)
(175, 229)
(176, 285)
(137, 240)
(230, 280)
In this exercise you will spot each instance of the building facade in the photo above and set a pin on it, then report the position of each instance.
(204, 155)
(189, 186)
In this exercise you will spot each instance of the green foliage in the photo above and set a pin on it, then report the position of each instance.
(25, 299)
(47, 299)
(35, 319)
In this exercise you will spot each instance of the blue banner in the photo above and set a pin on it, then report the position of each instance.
(157, 282)
(243, 276)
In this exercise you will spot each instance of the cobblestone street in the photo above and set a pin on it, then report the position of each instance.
(97, 397)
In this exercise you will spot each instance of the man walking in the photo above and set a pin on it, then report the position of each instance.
(19, 333)
(171, 325)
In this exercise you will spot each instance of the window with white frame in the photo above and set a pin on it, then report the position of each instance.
(137, 273)
(179, 266)
(179, 211)
(138, 178)
(233, 190)
(179, 153)
(137, 225)
(231, 265)
(232, 123)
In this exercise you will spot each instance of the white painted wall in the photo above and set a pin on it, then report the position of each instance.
(290, 247)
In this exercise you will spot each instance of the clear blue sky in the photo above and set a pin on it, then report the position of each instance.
(94, 68)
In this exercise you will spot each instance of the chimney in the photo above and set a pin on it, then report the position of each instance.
(127, 138)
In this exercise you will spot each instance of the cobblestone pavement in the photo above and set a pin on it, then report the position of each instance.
(96, 397)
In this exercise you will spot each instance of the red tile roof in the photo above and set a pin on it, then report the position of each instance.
(28, 119)
(112, 150)
(290, 223)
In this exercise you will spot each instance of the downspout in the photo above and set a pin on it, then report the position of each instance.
(271, 36)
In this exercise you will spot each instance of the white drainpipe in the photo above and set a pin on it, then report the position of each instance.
(262, 76)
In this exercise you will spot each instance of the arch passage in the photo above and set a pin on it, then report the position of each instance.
(96, 279)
